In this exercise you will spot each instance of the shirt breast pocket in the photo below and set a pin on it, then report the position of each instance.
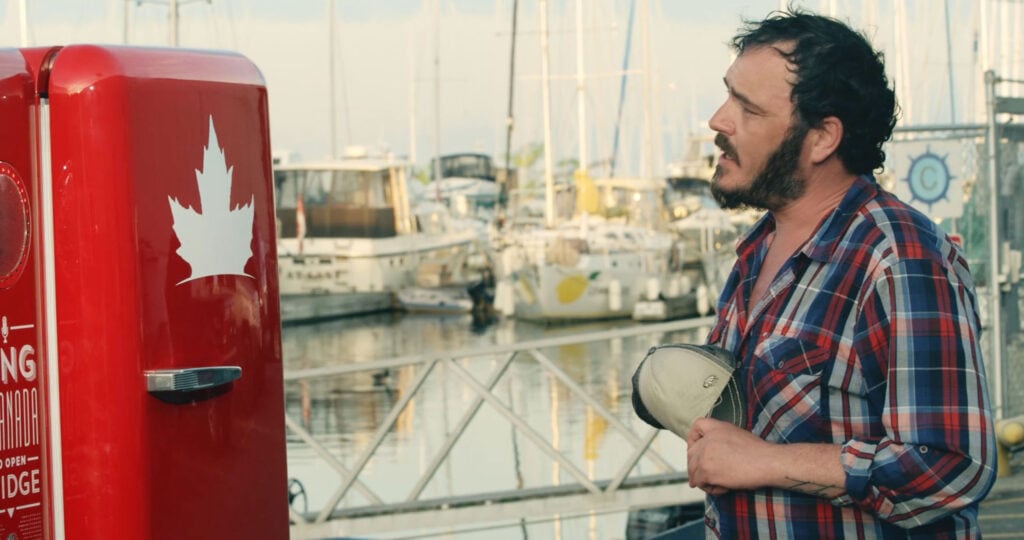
(792, 356)
(787, 382)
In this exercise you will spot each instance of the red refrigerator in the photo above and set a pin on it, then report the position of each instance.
(140, 375)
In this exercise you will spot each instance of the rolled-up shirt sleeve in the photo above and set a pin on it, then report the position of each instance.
(918, 326)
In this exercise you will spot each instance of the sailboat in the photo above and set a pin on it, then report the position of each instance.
(597, 265)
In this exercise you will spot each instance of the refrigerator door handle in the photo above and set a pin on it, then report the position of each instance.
(190, 384)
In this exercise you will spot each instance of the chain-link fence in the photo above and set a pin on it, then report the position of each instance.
(1005, 149)
(957, 191)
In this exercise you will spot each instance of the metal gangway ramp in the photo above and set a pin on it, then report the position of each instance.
(645, 469)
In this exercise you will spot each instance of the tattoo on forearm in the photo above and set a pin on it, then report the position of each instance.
(813, 488)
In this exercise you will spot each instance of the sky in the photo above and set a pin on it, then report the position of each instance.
(422, 77)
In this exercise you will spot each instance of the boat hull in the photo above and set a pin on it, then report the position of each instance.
(337, 278)
(598, 287)
(298, 308)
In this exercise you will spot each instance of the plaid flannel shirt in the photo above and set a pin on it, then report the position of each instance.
(868, 337)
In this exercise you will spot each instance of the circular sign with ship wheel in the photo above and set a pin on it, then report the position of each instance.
(929, 178)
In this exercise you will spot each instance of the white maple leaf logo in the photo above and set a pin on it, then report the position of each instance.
(216, 241)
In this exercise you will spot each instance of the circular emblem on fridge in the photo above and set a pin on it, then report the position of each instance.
(14, 225)
(929, 178)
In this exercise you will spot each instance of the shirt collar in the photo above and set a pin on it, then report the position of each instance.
(828, 235)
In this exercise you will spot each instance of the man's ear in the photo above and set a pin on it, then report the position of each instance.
(825, 139)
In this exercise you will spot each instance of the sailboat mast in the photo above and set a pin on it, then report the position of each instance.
(412, 102)
(622, 87)
(549, 181)
(172, 17)
(903, 54)
(437, 94)
(581, 102)
(333, 150)
(949, 64)
(980, 109)
(510, 120)
(23, 20)
(648, 165)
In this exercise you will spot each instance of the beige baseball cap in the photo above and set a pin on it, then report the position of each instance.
(676, 384)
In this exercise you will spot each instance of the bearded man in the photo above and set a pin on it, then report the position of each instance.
(852, 317)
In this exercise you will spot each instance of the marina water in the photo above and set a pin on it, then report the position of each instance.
(343, 412)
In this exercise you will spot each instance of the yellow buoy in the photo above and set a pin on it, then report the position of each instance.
(1011, 432)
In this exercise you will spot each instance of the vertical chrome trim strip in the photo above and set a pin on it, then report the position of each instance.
(49, 295)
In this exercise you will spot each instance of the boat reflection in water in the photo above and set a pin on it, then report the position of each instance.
(344, 412)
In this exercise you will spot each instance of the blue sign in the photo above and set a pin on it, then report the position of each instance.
(929, 178)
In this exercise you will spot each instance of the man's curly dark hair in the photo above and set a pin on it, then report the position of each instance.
(838, 74)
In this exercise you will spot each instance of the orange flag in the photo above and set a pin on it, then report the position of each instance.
(300, 222)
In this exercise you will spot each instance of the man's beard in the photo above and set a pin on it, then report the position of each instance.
(775, 185)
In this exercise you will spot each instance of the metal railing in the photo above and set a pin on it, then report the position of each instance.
(357, 505)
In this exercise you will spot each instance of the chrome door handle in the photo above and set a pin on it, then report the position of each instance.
(190, 384)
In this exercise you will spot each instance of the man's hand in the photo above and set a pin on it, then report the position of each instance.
(722, 457)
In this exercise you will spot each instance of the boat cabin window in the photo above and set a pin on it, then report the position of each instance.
(336, 203)
(359, 188)
(465, 166)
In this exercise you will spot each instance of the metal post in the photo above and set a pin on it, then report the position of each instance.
(995, 322)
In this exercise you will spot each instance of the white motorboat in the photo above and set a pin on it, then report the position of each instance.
(349, 239)
(466, 182)
(435, 300)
